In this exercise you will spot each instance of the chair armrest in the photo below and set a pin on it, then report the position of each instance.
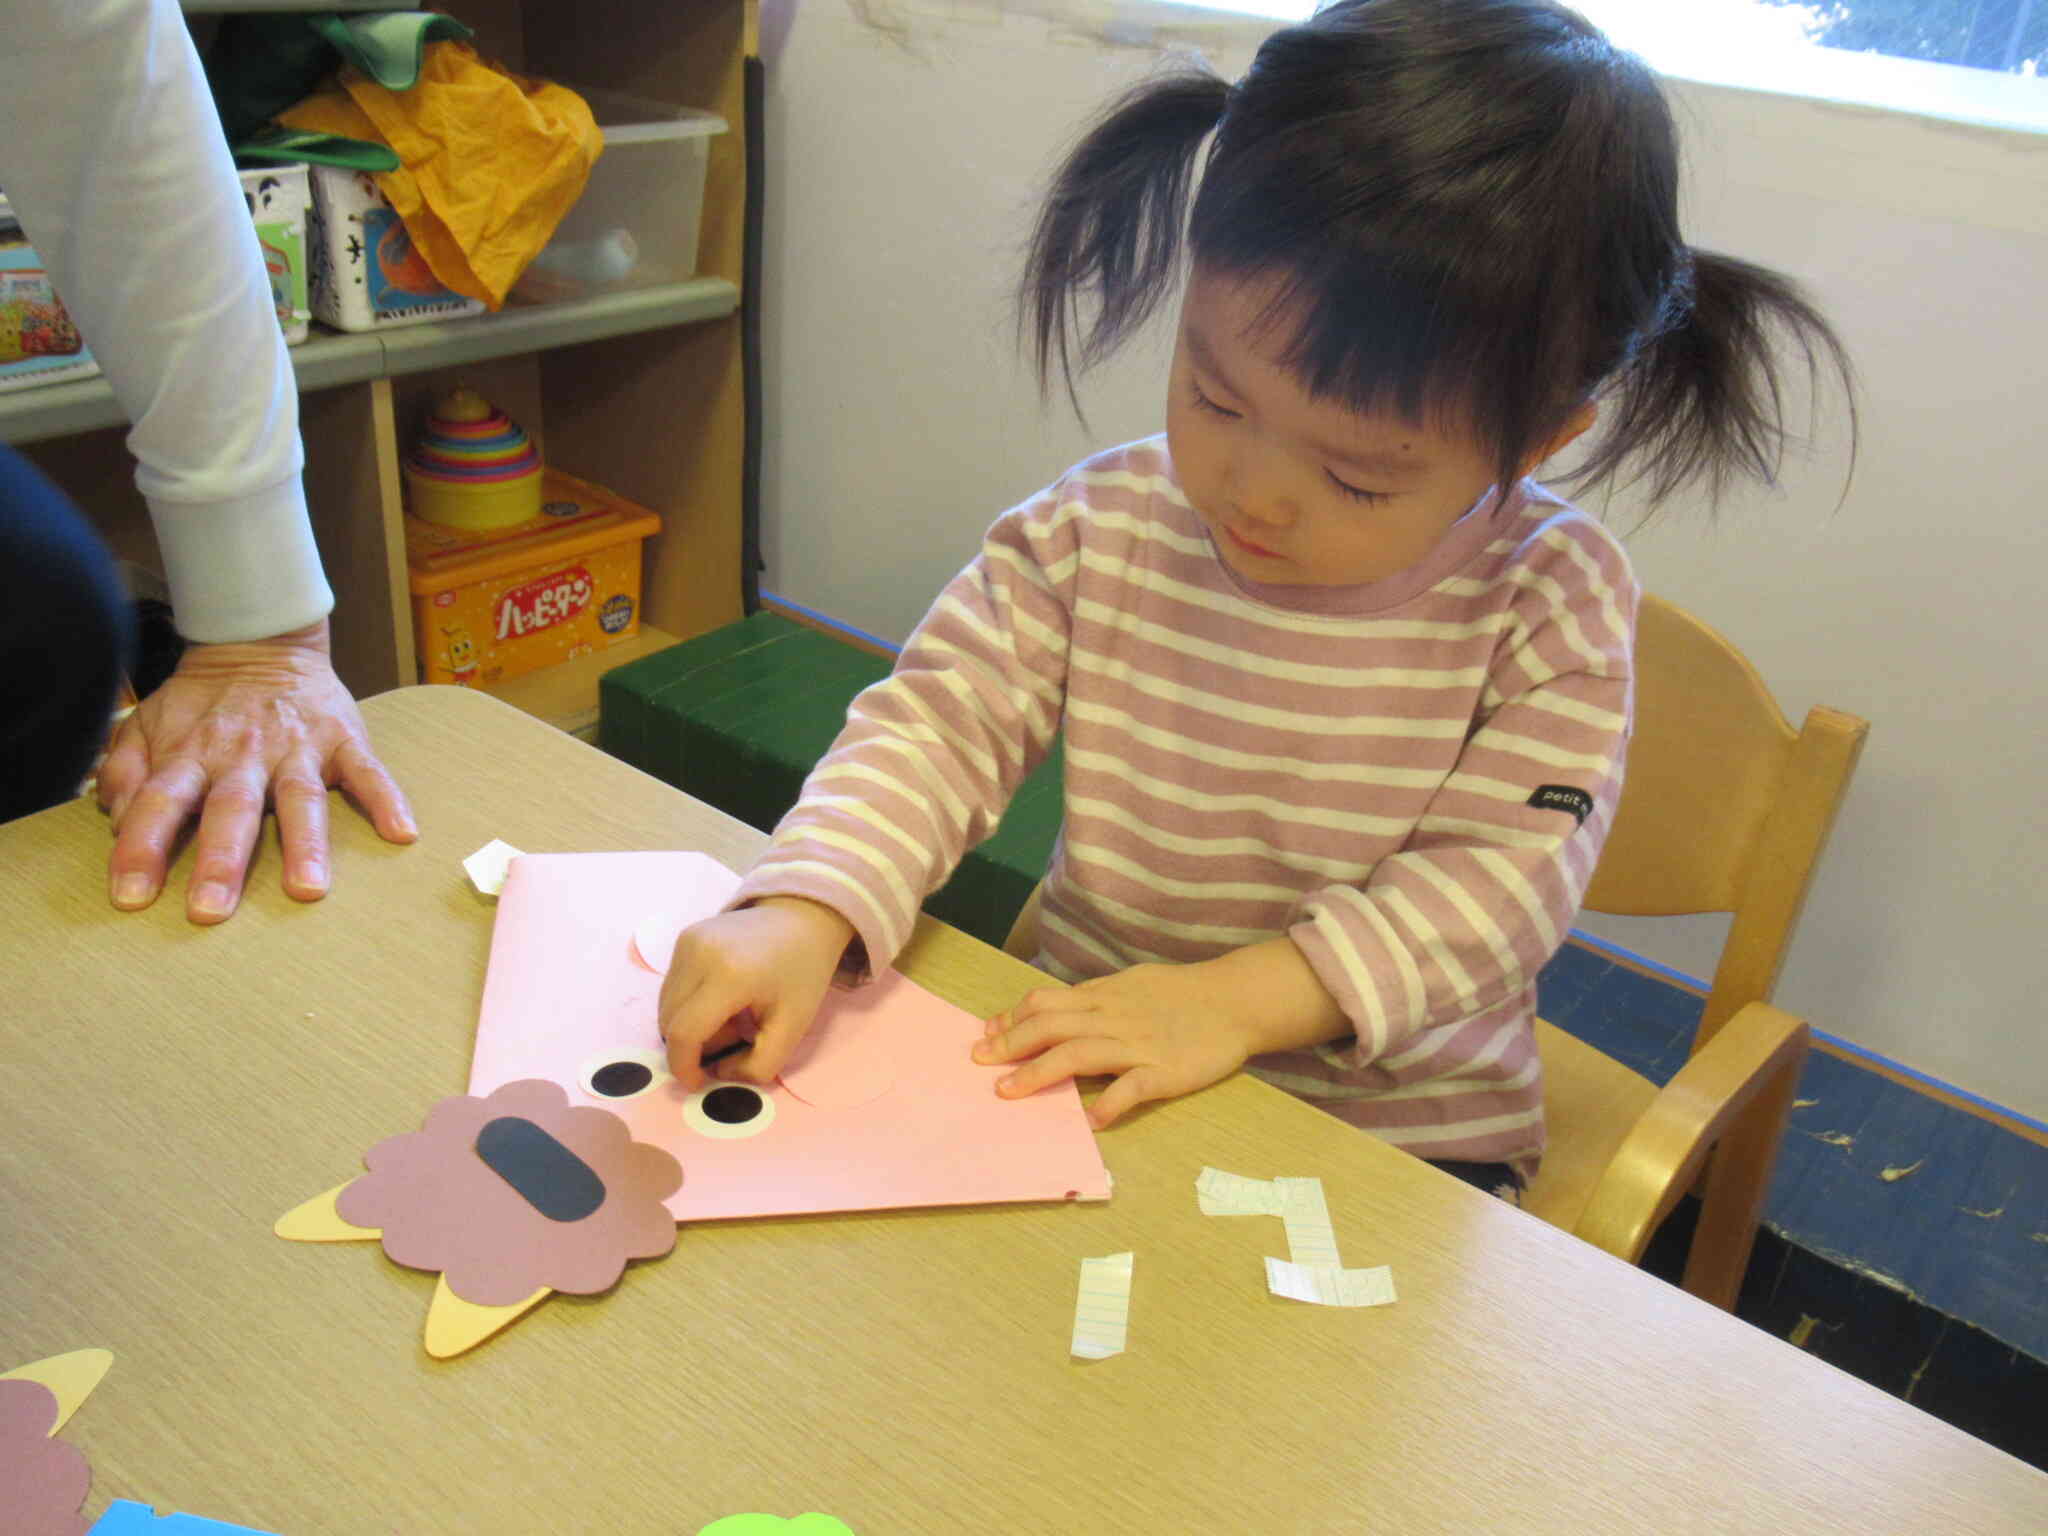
(1760, 1047)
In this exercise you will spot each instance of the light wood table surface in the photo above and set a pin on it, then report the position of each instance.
(171, 1090)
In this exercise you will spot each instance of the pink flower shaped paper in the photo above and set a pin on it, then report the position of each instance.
(43, 1480)
(509, 1197)
(48, 1478)
(582, 1197)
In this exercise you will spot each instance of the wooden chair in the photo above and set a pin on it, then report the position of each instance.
(1726, 808)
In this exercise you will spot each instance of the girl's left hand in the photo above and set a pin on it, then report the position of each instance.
(1157, 1028)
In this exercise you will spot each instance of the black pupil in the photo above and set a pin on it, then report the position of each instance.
(621, 1079)
(731, 1106)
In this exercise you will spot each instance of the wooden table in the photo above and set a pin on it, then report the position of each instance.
(171, 1090)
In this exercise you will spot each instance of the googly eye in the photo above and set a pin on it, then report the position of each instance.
(728, 1111)
(624, 1074)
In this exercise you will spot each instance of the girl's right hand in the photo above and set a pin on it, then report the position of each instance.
(773, 961)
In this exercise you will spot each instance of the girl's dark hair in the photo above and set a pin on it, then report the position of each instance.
(1469, 211)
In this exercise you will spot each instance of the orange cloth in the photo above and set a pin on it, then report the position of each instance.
(489, 161)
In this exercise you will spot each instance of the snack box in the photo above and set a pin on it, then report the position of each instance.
(367, 274)
(279, 197)
(38, 342)
(489, 606)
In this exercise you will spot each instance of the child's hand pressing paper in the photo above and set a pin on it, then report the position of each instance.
(760, 972)
(1162, 1030)
(1156, 1027)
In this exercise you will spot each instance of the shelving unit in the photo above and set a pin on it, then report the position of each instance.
(327, 359)
(639, 390)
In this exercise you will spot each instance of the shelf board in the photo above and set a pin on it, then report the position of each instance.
(535, 328)
(326, 359)
(57, 410)
(565, 695)
(321, 361)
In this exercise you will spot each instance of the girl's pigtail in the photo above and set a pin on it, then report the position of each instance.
(1704, 395)
(1110, 230)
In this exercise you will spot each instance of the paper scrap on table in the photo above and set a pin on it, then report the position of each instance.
(1313, 1271)
(1102, 1307)
(1232, 1194)
(1299, 1203)
(124, 1517)
(1330, 1287)
(812, 1524)
(1311, 1239)
(488, 865)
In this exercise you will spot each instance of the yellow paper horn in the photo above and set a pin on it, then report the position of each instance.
(70, 1378)
(317, 1221)
(454, 1325)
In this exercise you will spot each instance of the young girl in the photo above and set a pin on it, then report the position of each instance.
(1345, 696)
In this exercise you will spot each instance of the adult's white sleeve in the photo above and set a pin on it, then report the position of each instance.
(112, 154)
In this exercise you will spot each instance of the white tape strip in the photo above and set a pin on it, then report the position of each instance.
(1312, 1271)
(1311, 1240)
(1102, 1307)
(1232, 1194)
(487, 866)
(1297, 1202)
(1326, 1286)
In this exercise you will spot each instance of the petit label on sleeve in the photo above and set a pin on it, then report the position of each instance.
(1563, 797)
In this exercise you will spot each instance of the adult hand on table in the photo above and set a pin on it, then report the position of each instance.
(235, 728)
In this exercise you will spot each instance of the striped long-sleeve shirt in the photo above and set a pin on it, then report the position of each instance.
(1410, 779)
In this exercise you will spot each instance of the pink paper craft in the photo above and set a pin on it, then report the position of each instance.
(883, 1109)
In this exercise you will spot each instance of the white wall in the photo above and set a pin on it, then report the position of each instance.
(1919, 603)
(902, 176)
(903, 169)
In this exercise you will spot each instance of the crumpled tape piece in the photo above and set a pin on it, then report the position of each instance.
(487, 867)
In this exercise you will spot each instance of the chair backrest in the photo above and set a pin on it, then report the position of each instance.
(1725, 808)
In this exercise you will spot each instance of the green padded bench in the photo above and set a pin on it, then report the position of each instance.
(739, 716)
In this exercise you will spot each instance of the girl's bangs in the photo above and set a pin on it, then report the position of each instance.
(1387, 326)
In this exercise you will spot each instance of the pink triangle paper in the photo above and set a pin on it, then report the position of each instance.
(885, 1108)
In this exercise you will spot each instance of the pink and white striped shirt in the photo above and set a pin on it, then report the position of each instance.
(1411, 779)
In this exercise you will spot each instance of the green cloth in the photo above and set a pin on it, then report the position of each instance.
(388, 45)
(261, 64)
(740, 715)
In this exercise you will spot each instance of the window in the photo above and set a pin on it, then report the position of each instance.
(2009, 36)
(1981, 60)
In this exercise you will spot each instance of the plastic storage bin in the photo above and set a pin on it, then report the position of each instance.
(39, 344)
(493, 606)
(637, 222)
(367, 276)
(279, 197)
